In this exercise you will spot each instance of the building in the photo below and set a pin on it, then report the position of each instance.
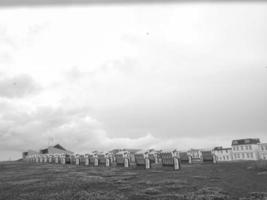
(263, 151)
(57, 149)
(223, 154)
(246, 149)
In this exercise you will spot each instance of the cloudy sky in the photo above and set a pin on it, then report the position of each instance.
(139, 76)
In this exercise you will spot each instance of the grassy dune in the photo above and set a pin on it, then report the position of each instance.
(31, 181)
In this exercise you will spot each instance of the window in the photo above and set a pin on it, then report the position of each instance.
(250, 147)
(238, 156)
(266, 147)
(242, 148)
(226, 151)
(246, 147)
(237, 148)
(227, 157)
(243, 155)
(262, 148)
(223, 157)
(247, 155)
(251, 155)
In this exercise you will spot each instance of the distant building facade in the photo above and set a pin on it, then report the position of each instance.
(57, 149)
(246, 149)
(223, 154)
(263, 151)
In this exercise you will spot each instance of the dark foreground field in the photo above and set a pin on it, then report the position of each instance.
(20, 180)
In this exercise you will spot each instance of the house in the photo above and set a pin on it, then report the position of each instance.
(263, 151)
(246, 149)
(57, 149)
(223, 154)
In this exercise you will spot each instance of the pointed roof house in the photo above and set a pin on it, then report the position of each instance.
(57, 149)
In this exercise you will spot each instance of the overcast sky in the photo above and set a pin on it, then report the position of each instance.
(139, 76)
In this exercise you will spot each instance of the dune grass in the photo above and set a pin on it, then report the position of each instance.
(28, 181)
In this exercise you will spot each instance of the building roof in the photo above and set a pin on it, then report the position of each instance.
(55, 149)
(221, 148)
(246, 141)
(58, 146)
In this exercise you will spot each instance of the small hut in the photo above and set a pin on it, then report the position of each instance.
(72, 159)
(140, 157)
(67, 158)
(123, 158)
(195, 156)
(82, 159)
(207, 156)
(153, 156)
(171, 158)
(92, 158)
(50, 158)
(184, 157)
(104, 158)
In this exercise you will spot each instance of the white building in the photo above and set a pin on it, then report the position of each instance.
(223, 154)
(246, 149)
(263, 151)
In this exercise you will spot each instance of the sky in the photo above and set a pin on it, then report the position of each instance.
(96, 77)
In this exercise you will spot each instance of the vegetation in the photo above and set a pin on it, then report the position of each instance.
(31, 181)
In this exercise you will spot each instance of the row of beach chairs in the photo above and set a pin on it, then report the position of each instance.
(145, 159)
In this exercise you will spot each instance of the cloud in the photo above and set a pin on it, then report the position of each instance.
(72, 127)
(18, 86)
(75, 129)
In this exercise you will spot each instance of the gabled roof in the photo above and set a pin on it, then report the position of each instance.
(55, 149)
(58, 146)
(246, 141)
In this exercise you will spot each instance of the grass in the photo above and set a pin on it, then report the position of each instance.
(32, 181)
(261, 165)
